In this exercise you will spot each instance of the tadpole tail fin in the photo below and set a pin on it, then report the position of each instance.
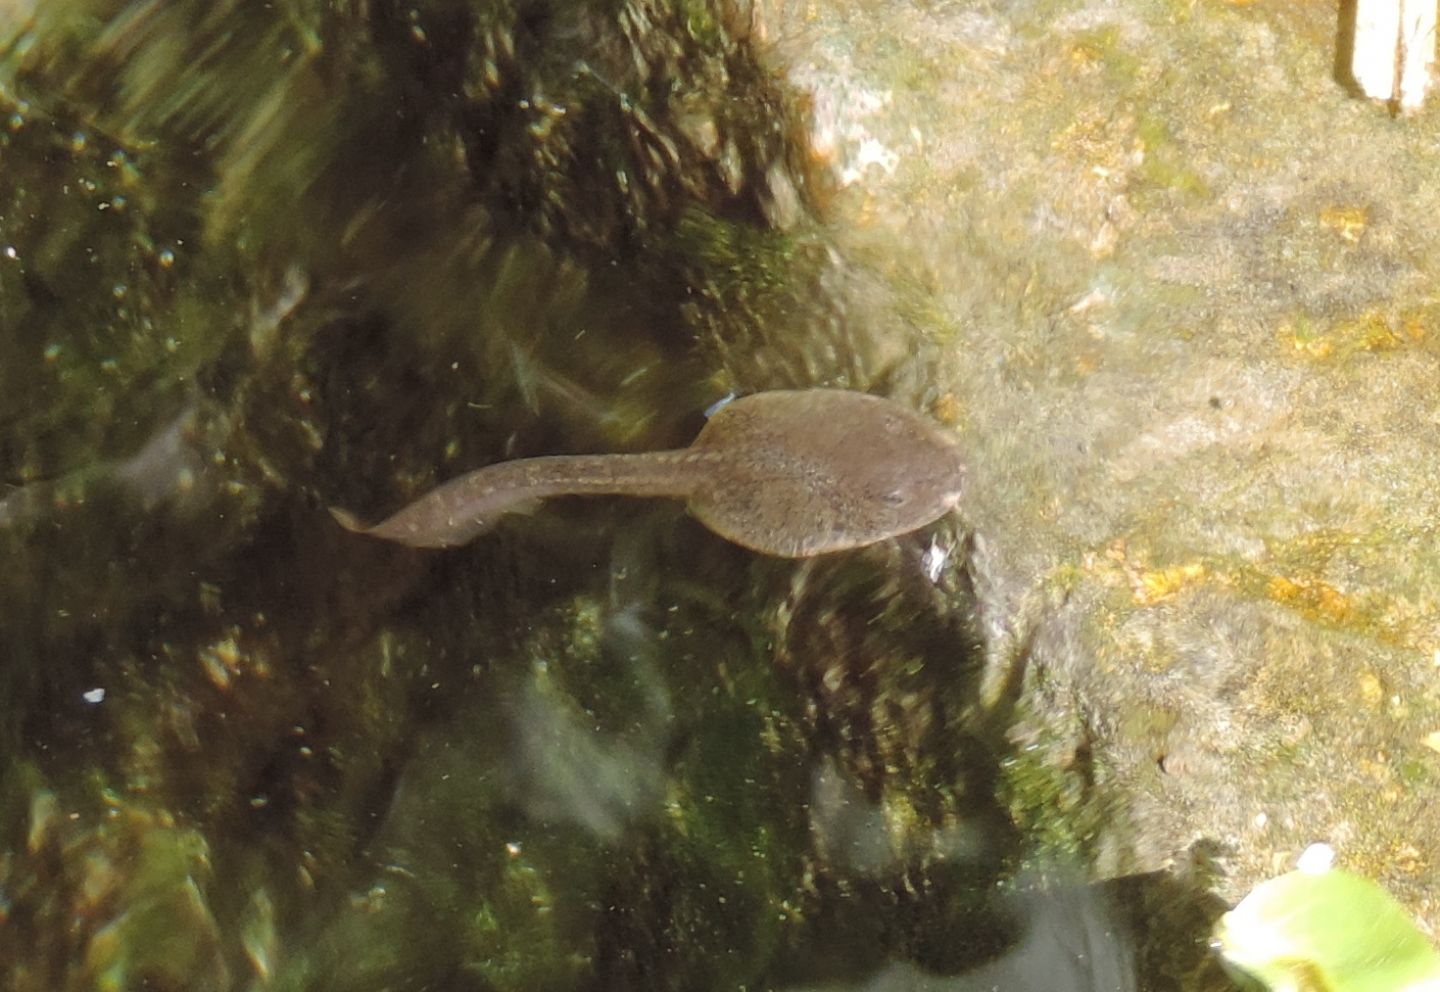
(412, 528)
(457, 511)
(427, 524)
(348, 520)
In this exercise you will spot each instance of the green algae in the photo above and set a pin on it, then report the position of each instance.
(84, 250)
(1166, 168)
(1057, 810)
(122, 900)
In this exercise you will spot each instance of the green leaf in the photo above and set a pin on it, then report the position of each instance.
(1327, 931)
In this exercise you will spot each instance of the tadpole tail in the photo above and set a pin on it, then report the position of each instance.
(458, 511)
(425, 524)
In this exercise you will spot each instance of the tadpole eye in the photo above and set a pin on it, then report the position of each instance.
(894, 497)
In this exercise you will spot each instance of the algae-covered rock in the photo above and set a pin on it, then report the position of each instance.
(1183, 281)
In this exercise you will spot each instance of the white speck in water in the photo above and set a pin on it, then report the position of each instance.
(96, 695)
(719, 405)
(934, 560)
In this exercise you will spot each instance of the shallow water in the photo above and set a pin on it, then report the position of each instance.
(259, 262)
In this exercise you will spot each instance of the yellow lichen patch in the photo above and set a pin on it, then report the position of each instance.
(1371, 689)
(1371, 331)
(1100, 47)
(1409, 859)
(1414, 324)
(1311, 596)
(1305, 337)
(1117, 564)
(947, 409)
(1291, 577)
(1348, 222)
(1084, 56)
(1089, 134)
(1152, 586)
(1376, 768)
